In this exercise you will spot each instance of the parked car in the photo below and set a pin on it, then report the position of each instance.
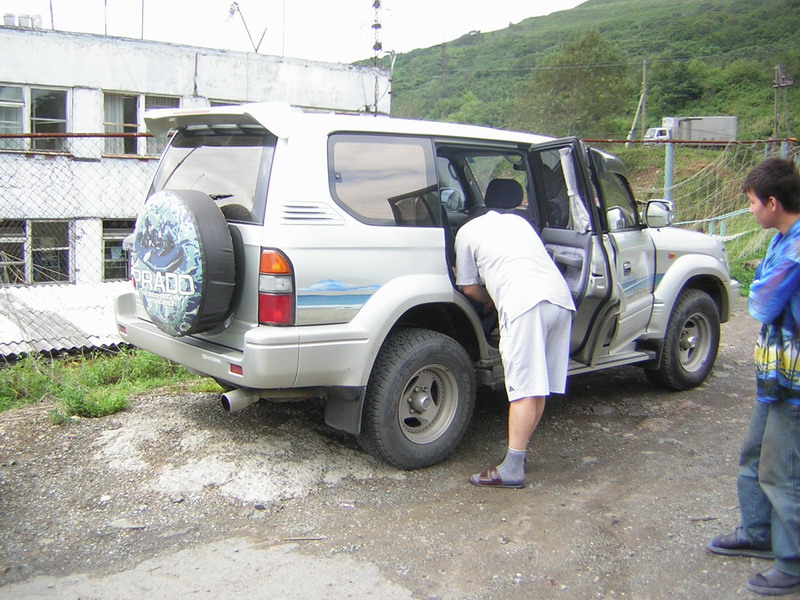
(290, 254)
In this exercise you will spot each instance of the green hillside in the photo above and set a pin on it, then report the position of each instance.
(580, 71)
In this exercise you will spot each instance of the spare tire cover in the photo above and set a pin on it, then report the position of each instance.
(183, 262)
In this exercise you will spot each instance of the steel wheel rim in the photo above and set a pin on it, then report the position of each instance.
(428, 404)
(695, 342)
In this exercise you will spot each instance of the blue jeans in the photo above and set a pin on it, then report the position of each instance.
(769, 482)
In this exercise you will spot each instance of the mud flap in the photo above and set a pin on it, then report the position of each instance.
(343, 408)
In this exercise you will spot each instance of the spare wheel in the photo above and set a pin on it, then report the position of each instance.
(183, 262)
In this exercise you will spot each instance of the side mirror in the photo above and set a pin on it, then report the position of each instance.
(658, 213)
(615, 218)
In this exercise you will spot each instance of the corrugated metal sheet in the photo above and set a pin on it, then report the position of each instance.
(58, 317)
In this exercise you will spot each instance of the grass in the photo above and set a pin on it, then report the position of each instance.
(92, 385)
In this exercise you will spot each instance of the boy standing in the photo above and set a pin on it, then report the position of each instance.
(768, 483)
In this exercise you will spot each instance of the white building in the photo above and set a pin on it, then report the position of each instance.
(67, 202)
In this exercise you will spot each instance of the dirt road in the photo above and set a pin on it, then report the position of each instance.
(176, 499)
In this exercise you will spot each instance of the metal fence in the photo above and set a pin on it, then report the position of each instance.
(66, 204)
(67, 201)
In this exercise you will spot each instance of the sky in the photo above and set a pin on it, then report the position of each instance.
(327, 30)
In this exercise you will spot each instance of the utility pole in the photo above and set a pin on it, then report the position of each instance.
(641, 110)
(781, 103)
(442, 64)
(376, 48)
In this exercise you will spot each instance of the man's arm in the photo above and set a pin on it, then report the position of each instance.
(477, 293)
(771, 293)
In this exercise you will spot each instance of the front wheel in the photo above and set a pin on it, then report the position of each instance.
(691, 342)
(419, 401)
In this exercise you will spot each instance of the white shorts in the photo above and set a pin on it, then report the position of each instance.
(535, 351)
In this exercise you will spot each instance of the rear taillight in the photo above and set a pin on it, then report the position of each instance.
(275, 289)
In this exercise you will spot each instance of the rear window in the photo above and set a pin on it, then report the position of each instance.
(229, 163)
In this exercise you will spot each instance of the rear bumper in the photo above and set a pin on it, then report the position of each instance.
(271, 358)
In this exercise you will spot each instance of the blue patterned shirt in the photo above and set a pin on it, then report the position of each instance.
(774, 301)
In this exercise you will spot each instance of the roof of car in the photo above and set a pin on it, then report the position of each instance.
(284, 121)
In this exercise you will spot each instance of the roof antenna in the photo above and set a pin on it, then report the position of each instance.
(235, 9)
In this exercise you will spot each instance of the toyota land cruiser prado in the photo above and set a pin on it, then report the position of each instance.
(299, 255)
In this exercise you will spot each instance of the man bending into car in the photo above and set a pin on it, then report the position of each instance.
(501, 262)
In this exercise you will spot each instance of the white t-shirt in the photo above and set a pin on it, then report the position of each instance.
(504, 253)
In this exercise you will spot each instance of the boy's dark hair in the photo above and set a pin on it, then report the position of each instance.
(776, 177)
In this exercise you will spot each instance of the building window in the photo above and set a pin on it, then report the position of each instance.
(156, 145)
(115, 259)
(50, 251)
(121, 116)
(35, 251)
(12, 252)
(12, 109)
(49, 115)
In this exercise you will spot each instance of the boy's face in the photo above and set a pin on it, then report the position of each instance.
(764, 213)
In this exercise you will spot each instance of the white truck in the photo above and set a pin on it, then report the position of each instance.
(695, 129)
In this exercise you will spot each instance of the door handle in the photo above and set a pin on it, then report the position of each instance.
(626, 268)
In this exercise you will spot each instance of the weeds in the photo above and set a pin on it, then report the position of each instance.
(94, 385)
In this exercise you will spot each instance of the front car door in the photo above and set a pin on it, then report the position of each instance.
(630, 247)
(609, 269)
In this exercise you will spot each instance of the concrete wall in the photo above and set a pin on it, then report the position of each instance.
(85, 62)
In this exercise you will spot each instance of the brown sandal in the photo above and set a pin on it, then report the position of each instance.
(491, 478)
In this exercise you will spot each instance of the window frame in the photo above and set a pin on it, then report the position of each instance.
(16, 233)
(29, 120)
(59, 144)
(29, 252)
(116, 236)
(12, 127)
(67, 250)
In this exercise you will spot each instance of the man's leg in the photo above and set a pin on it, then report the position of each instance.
(523, 417)
(754, 506)
(523, 348)
(752, 538)
(779, 475)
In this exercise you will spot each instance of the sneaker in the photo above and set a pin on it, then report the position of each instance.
(774, 583)
(730, 545)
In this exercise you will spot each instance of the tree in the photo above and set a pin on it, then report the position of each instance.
(575, 91)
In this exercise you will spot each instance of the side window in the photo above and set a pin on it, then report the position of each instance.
(553, 188)
(385, 180)
(620, 207)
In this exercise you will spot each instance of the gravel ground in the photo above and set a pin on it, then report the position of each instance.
(176, 499)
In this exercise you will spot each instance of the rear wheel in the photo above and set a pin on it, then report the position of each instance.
(690, 344)
(419, 401)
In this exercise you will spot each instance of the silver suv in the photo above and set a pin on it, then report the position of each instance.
(299, 255)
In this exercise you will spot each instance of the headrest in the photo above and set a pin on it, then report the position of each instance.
(503, 193)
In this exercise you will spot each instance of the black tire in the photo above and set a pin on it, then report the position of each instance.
(420, 399)
(690, 344)
(183, 262)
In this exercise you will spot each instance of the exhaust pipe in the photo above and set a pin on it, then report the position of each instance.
(238, 399)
